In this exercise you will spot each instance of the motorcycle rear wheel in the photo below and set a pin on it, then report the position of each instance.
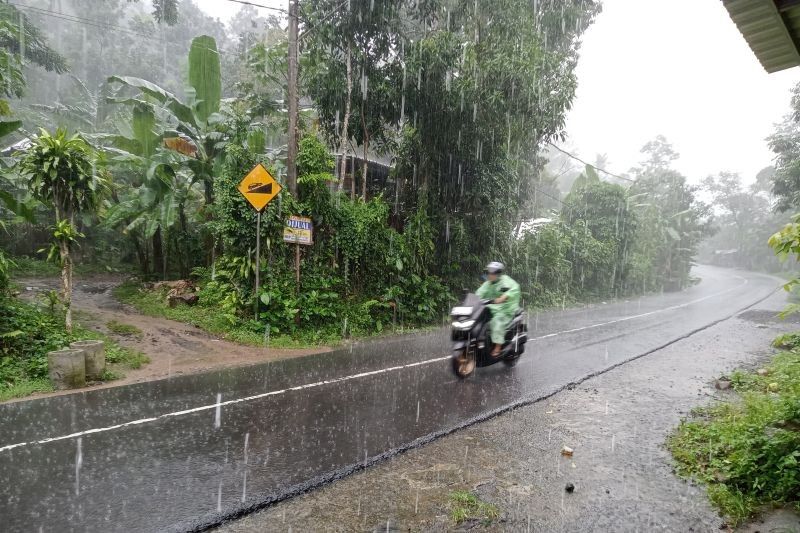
(464, 364)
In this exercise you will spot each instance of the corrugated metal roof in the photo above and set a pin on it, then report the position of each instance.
(771, 28)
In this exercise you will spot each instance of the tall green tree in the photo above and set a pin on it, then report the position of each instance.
(785, 143)
(674, 220)
(61, 173)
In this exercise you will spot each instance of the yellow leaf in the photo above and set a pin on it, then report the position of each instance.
(181, 145)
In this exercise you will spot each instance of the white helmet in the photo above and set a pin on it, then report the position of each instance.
(495, 267)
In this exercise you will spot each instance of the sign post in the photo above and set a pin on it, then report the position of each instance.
(259, 188)
(298, 230)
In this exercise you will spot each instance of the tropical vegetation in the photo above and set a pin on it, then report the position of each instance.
(134, 160)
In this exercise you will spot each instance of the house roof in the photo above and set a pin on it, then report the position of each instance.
(771, 29)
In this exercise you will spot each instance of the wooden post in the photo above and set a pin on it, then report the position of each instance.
(297, 277)
(297, 265)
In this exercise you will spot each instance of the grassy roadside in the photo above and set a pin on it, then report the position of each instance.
(27, 333)
(747, 450)
(251, 333)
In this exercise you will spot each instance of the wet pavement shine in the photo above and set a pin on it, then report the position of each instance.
(188, 452)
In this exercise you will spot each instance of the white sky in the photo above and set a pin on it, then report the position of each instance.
(681, 69)
(678, 68)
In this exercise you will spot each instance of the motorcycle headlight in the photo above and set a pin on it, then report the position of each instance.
(464, 325)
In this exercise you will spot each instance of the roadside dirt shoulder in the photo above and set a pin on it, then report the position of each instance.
(616, 424)
(174, 348)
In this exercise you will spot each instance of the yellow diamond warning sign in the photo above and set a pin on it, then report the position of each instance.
(259, 187)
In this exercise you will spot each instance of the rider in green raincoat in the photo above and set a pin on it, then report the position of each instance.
(505, 295)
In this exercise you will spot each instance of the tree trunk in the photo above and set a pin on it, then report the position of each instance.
(343, 137)
(158, 252)
(141, 255)
(366, 147)
(353, 178)
(291, 156)
(66, 273)
(164, 254)
(66, 280)
(181, 241)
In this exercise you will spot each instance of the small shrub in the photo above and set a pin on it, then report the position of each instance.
(465, 505)
(126, 330)
(747, 451)
(787, 341)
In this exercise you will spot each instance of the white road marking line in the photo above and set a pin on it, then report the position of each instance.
(623, 319)
(221, 404)
(215, 405)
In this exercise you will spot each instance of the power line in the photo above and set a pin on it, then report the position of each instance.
(99, 24)
(576, 158)
(246, 3)
(88, 22)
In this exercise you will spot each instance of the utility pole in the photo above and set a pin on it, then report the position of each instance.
(291, 158)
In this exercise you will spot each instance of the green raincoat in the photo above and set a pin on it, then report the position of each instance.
(503, 313)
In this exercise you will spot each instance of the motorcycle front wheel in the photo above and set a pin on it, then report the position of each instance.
(464, 364)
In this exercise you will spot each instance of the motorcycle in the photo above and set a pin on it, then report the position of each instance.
(472, 346)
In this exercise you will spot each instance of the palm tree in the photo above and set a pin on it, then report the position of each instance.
(61, 173)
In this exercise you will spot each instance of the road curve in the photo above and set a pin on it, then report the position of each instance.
(186, 452)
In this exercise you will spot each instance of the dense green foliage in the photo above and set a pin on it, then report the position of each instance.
(462, 97)
(747, 451)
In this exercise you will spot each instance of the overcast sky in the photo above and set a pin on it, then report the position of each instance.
(678, 68)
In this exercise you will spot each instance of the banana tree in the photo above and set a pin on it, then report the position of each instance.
(156, 197)
(193, 124)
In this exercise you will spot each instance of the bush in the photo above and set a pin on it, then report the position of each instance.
(27, 334)
(748, 451)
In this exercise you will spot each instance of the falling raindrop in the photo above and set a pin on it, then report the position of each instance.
(244, 480)
(78, 465)
(218, 411)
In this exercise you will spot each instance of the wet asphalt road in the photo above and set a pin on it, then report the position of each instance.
(185, 452)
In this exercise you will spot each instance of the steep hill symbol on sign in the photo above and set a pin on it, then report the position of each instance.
(260, 188)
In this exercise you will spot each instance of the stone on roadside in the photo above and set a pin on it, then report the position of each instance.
(722, 384)
(188, 299)
(762, 371)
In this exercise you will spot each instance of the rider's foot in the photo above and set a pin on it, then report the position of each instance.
(496, 351)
